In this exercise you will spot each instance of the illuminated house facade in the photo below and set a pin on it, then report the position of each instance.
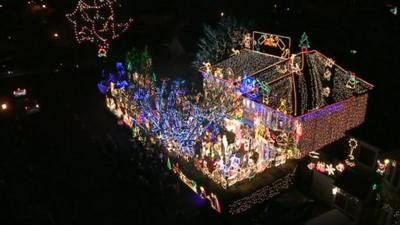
(292, 105)
(256, 112)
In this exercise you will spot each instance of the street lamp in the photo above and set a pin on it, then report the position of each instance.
(4, 106)
(335, 190)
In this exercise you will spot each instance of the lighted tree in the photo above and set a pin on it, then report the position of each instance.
(139, 61)
(218, 42)
(304, 42)
(95, 22)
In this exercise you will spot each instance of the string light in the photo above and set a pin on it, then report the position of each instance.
(263, 194)
(264, 42)
(200, 190)
(99, 27)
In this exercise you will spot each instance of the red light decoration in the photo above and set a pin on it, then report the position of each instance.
(102, 52)
(96, 23)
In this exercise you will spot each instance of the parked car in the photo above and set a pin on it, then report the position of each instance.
(19, 92)
(31, 106)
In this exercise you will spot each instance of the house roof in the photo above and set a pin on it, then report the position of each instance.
(357, 181)
(332, 217)
(304, 92)
(247, 62)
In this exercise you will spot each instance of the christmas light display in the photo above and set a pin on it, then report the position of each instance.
(339, 167)
(384, 167)
(271, 43)
(262, 194)
(304, 42)
(96, 23)
(256, 112)
(212, 198)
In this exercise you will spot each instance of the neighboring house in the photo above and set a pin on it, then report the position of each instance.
(367, 193)
(389, 208)
(332, 217)
(353, 194)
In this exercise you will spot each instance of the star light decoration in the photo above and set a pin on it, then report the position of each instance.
(96, 23)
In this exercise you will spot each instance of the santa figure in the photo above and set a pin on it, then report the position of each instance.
(298, 130)
(247, 41)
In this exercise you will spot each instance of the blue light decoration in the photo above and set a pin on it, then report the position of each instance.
(249, 87)
(165, 118)
(120, 69)
(121, 84)
(103, 87)
(118, 76)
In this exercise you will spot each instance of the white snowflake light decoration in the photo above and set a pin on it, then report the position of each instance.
(96, 23)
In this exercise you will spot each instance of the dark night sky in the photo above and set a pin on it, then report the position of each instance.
(333, 27)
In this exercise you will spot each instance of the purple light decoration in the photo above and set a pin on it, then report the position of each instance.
(321, 112)
(196, 199)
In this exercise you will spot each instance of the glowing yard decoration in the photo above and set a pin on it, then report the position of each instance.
(314, 154)
(247, 41)
(353, 144)
(212, 198)
(249, 86)
(329, 169)
(304, 42)
(265, 42)
(352, 81)
(102, 52)
(384, 166)
(95, 22)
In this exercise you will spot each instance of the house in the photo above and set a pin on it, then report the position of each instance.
(288, 106)
(238, 143)
(365, 190)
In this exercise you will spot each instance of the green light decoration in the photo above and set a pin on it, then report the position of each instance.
(154, 77)
(265, 89)
(304, 42)
(194, 184)
(132, 59)
(129, 66)
(169, 164)
(257, 47)
(139, 61)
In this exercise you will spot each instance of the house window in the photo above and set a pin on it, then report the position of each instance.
(346, 203)
(340, 201)
(396, 179)
(351, 207)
